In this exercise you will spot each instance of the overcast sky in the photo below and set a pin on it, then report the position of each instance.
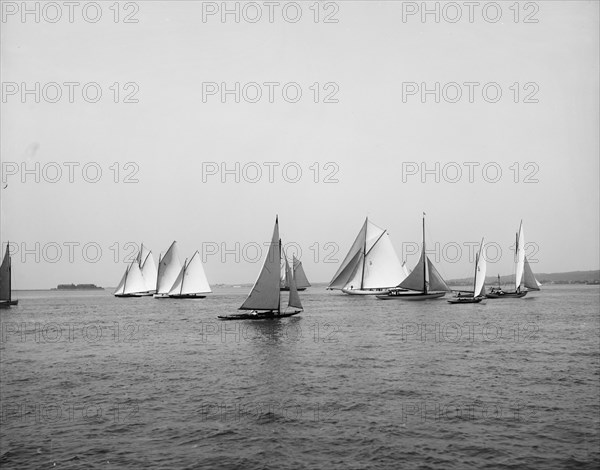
(369, 145)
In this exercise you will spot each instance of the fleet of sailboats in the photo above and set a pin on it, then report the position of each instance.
(371, 266)
(6, 299)
(423, 283)
(170, 280)
(264, 300)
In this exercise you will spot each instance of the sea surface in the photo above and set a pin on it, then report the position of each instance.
(92, 381)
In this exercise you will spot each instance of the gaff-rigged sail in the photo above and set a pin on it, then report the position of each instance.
(265, 292)
(519, 257)
(5, 276)
(294, 299)
(480, 270)
(169, 268)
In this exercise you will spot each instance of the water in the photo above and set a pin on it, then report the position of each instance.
(90, 381)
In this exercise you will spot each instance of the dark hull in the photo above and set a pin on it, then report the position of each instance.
(129, 296)
(8, 303)
(506, 295)
(287, 289)
(187, 296)
(258, 316)
(465, 300)
(412, 296)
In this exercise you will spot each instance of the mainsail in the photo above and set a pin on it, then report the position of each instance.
(134, 281)
(371, 263)
(480, 269)
(265, 292)
(149, 272)
(424, 277)
(5, 277)
(519, 256)
(169, 268)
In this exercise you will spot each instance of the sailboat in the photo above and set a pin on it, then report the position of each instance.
(169, 267)
(478, 281)
(371, 266)
(6, 281)
(132, 283)
(191, 283)
(264, 299)
(298, 275)
(523, 273)
(423, 283)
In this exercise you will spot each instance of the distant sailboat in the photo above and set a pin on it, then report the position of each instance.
(6, 281)
(132, 283)
(478, 281)
(371, 266)
(169, 267)
(523, 273)
(423, 283)
(191, 283)
(298, 275)
(265, 299)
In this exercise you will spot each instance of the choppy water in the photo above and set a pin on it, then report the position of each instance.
(90, 381)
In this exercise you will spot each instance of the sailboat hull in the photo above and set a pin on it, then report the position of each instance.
(412, 296)
(258, 316)
(505, 295)
(287, 289)
(465, 300)
(187, 296)
(8, 303)
(131, 295)
(364, 291)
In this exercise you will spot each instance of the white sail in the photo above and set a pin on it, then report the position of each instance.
(346, 269)
(150, 272)
(299, 276)
(134, 282)
(529, 279)
(265, 292)
(480, 270)
(142, 255)
(294, 299)
(121, 287)
(178, 284)
(382, 266)
(5, 274)
(405, 269)
(194, 278)
(168, 270)
(355, 279)
(519, 257)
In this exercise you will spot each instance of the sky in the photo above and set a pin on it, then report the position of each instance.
(163, 154)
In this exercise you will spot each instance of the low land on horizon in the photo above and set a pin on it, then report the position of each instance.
(571, 277)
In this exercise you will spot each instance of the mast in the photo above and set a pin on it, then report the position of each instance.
(424, 259)
(182, 277)
(158, 269)
(278, 289)
(362, 277)
(9, 274)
